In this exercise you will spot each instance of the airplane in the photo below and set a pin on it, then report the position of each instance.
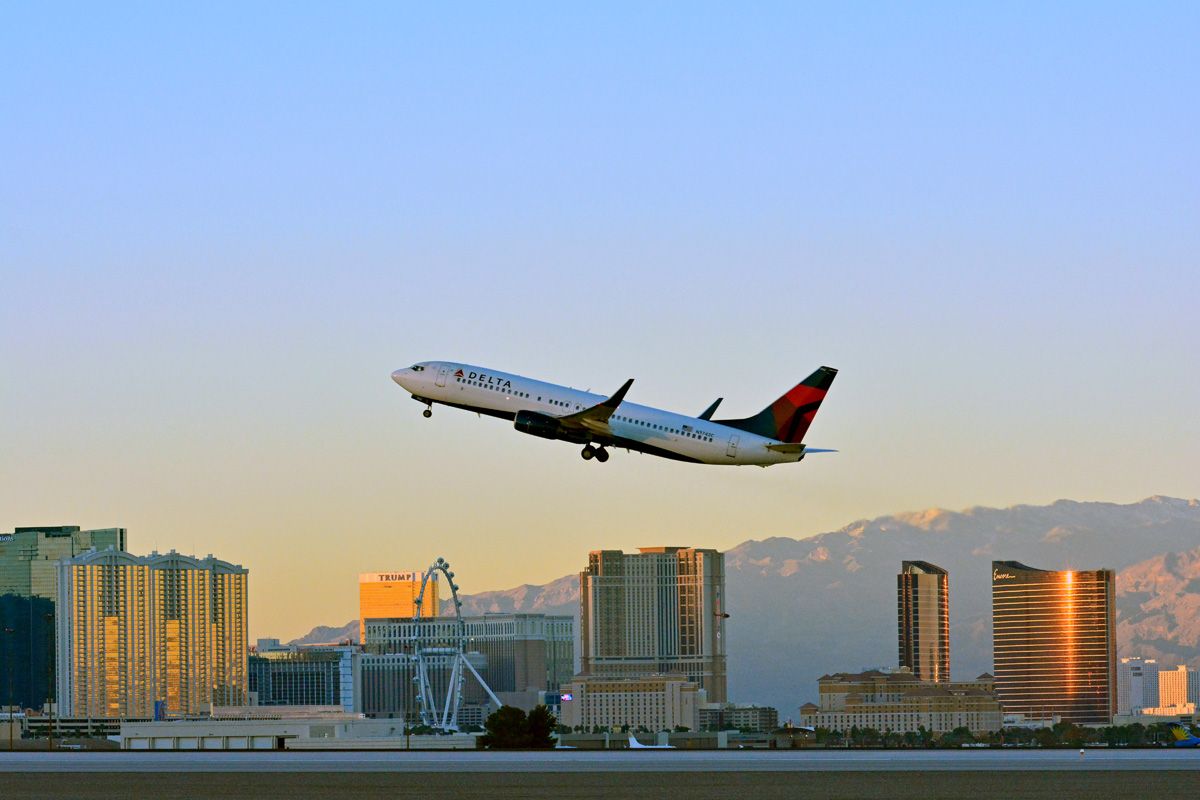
(1183, 738)
(634, 744)
(772, 436)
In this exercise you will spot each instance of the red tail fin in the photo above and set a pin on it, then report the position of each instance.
(788, 418)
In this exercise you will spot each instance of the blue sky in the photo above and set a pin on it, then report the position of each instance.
(222, 227)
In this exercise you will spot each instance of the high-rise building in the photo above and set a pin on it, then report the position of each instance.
(1053, 642)
(28, 591)
(393, 594)
(230, 617)
(1173, 686)
(923, 609)
(29, 556)
(105, 645)
(135, 631)
(1137, 685)
(660, 610)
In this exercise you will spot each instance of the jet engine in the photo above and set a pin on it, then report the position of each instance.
(536, 424)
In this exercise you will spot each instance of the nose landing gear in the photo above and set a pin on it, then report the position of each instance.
(427, 413)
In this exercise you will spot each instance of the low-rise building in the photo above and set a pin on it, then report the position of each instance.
(1174, 710)
(649, 702)
(730, 716)
(312, 730)
(318, 675)
(900, 703)
(516, 652)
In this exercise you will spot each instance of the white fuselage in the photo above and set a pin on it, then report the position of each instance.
(633, 426)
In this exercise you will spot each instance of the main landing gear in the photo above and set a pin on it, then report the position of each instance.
(598, 453)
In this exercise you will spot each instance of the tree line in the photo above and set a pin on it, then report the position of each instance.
(1061, 734)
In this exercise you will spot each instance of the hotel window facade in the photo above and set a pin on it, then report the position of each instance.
(135, 631)
(1053, 642)
(660, 610)
(307, 676)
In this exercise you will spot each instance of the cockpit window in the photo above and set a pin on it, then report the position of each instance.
(417, 368)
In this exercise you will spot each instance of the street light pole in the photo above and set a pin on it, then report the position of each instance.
(11, 716)
(51, 694)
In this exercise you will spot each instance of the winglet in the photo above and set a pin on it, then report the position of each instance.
(619, 396)
(708, 412)
(595, 418)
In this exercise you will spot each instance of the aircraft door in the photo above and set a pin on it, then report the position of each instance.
(731, 451)
(441, 378)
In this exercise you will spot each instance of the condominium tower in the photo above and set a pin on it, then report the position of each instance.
(1053, 642)
(658, 611)
(923, 609)
(393, 594)
(135, 631)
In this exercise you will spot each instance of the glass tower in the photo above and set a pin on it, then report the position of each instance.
(1053, 642)
(28, 591)
(923, 609)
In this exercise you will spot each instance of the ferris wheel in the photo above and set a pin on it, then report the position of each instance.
(437, 712)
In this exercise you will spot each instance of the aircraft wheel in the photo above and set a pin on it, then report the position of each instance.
(588, 452)
(602, 455)
(427, 413)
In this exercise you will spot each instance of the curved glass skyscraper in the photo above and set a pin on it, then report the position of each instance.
(1053, 642)
(923, 607)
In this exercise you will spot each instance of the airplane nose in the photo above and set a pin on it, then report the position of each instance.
(398, 376)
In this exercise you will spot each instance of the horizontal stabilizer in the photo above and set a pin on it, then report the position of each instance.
(789, 447)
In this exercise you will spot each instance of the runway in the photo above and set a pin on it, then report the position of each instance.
(558, 761)
(590, 775)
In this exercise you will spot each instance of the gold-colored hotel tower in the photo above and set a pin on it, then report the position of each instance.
(1053, 642)
(923, 608)
(383, 595)
(135, 631)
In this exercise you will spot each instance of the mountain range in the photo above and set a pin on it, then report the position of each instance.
(827, 603)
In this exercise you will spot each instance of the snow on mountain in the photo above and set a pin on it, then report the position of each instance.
(803, 607)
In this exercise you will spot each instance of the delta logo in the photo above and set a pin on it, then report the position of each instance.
(482, 377)
(458, 373)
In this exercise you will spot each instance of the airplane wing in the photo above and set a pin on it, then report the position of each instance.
(595, 419)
